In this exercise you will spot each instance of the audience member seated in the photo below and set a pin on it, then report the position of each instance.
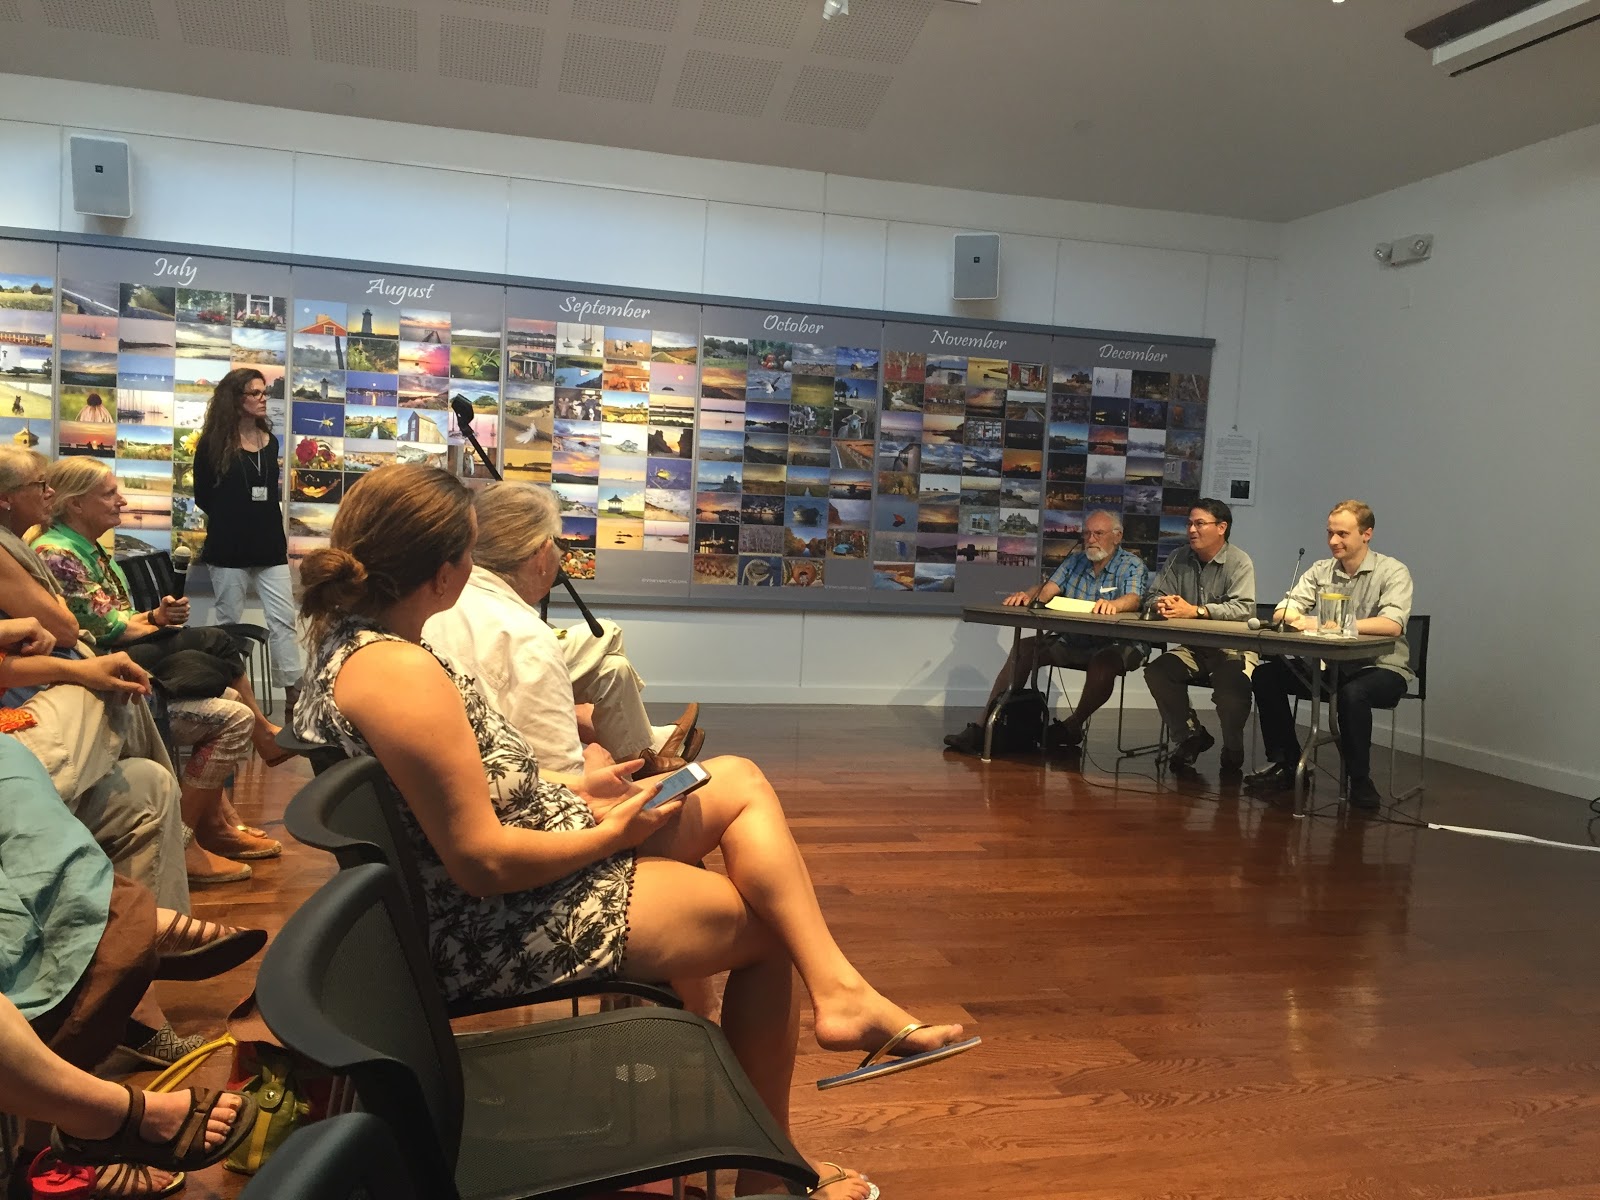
(494, 634)
(106, 759)
(213, 710)
(526, 882)
(1114, 581)
(80, 945)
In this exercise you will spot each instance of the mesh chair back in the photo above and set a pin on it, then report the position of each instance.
(149, 577)
(351, 811)
(348, 1157)
(1417, 644)
(348, 985)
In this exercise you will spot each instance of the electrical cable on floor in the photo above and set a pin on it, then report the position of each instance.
(1379, 818)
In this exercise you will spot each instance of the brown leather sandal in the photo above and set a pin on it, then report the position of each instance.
(189, 948)
(184, 1151)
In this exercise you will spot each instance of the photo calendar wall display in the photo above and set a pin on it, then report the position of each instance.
(783, 477)
(377, 364)
(1127, 435)
(600, 406)
(710, 454)
(27, 345)
(144, 339)
(960, 452)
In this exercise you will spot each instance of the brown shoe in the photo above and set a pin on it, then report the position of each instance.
(656, 763)
(681, 729)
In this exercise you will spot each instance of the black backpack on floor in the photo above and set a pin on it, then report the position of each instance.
(1020, 723)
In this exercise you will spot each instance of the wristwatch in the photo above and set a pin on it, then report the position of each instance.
(1203, 613)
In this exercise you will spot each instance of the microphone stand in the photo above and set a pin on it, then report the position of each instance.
(464, 414)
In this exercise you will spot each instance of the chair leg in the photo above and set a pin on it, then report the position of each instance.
(1416, 789)
(1134, 751)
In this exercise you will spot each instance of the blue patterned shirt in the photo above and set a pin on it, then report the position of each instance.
(1123, 574)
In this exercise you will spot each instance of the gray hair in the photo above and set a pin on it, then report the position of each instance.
(514, 520)
(18, 466)
(1116, 518)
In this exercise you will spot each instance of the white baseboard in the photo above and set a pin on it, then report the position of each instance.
(921, 697)
(1504, 765)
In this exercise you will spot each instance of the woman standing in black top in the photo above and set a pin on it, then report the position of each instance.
(237, 483)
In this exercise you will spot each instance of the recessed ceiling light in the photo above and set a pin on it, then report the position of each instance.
(832, 8)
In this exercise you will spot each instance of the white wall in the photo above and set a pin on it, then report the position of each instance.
(279, 180)
(1459, 398)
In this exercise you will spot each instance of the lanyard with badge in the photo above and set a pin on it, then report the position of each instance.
(258, 491)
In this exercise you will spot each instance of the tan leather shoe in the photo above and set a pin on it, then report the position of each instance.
(681, 729)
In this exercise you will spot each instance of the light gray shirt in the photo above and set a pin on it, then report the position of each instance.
(1226, 585)
(1381, 588)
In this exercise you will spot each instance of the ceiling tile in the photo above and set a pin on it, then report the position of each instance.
(122, 18)
(726, 83)
(534, 8)
(880, 31)
(658, 15)
(611, 68)
(364, 35)
(261, 27)
(490, 51)
(836, 99)
(751, 22)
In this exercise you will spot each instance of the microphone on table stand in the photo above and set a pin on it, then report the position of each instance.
(462, 407)
(1277, 626)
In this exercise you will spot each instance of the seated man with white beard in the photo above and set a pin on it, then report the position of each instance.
(1115, 580)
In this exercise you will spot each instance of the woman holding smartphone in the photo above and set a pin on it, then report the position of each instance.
(237, 484)
(526, 883)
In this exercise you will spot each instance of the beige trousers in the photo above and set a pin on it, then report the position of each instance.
(107, 763)
(602, 676)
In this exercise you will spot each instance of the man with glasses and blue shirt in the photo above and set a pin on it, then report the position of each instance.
(1208, 580)
(1112, 578)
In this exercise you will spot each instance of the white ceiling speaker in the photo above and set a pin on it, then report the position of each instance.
(102, 178)
(1461, 41)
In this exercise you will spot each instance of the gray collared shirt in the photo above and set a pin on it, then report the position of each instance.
(1381, 588)
(1226, 585)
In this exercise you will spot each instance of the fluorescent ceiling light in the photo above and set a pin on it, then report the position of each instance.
(1516, 32)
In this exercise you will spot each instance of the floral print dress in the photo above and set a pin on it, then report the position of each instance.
(494, 946)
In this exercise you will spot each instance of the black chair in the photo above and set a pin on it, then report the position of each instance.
(150, 577)
(319, 755)
(351, 811)
(349, 1157)
(556, 1109)
(1417, 629)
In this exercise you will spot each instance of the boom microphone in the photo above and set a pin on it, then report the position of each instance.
(181, 558)
(462, 407)
(1036, 602)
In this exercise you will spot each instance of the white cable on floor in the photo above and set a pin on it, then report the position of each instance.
(1503, 836)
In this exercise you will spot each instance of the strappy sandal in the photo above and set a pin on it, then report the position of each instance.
(132, 1181)
(186, 952)
(184, 1151)
(839, 1176)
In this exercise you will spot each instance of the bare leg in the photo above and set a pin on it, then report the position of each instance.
(200, 812)
(264, 732)
(38, 1084)
(740, 813)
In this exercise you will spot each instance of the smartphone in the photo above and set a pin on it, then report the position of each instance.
(679, 783)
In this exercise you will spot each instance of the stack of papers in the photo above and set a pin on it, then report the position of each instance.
(1068, 604)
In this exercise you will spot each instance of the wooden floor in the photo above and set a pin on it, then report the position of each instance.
(1182, 994)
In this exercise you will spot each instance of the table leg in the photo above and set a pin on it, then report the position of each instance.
(999, 703)
(1323, 684)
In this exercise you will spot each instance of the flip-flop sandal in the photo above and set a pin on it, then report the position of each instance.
(186, 1150)
(131, 1181)
(182, 956)
(879, 1061)
(839, 1176)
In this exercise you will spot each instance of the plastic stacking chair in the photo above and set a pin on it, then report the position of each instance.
(556, 1109)
(320, 756)
(351, 811)
(1417, 629)
(349, 1157)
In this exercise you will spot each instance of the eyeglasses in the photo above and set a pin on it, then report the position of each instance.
(1099, 533)
(32, 483)
(1199, 524)
(256, 394)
